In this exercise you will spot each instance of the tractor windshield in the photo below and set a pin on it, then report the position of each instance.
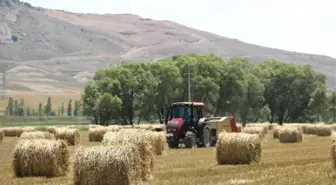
(181, 112)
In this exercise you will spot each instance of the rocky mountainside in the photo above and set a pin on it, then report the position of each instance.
(54, 46)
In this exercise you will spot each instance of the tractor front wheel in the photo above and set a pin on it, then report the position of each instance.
(190, 140)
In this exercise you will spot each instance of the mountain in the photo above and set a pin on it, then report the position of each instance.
(43, 46)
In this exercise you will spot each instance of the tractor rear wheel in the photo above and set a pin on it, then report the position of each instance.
(206, 138)
(190, 140)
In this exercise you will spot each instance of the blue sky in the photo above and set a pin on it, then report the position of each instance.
(297, 25)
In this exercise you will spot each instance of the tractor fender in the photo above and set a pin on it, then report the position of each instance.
(201, 123)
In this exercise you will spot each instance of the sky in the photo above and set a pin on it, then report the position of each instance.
(307, 26)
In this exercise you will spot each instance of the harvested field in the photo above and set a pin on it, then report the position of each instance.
(303, 163)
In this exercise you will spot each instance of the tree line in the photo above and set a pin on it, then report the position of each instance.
(19, 108)
(272, 91)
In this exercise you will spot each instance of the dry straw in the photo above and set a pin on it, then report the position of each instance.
(239, 128)
(36, 135)
(290, 134)
(140, 138)
(265, 126)
(72, 136)
(51, 129)
(2, 135)
(276, 132)
(40, 157)
(97, 134)
(255, 130)
(60, 133)
(16, 131)
(333, 148)
(324, 130)
(113, 165)
(238, 148)
(159, 142)
(114, 128)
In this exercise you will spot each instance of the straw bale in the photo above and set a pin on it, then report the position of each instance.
(144, 126)
(36, 135)
(276, 132)
(290, 134)
(263, 125)
(238, 148)
(51, 129)
(255, 130)
(159, 142)
(2, 135)
(333, 148)
(142, 139)
(112, 165)
(97, 134)
(12, 131)
(239, 128)
(324, 130)
(310, 129)
(72, 127)
(40, 157)
(114, 128)
(60, 133)
(72, 136)
(28, 129)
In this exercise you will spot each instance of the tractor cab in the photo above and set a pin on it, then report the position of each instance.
(190, 112)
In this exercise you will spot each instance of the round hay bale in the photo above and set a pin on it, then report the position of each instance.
(324, 130)
(2, 135)
(276, 132)
(239, 128)
(260, 131)
(36, 135)
(140, 138)
(114, 128)
(119, 165)
(60, 133)
(97, 134)
(310, 129)
(51, 129)
(40, 157)
(238, 148)
(72, 136)
(333, 154)
(159, 142)
(12, 131)
(290, 134)
(144, 126)
(264, 126)
(28, 129)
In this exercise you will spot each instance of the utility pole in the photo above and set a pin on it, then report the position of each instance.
(189, 86)
(189, 82)
(4, 85)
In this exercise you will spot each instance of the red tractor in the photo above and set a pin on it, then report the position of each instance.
(186, 124)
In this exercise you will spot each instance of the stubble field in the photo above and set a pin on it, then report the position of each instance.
(281, 164)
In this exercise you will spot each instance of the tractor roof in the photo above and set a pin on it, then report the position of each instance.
(189, 103)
